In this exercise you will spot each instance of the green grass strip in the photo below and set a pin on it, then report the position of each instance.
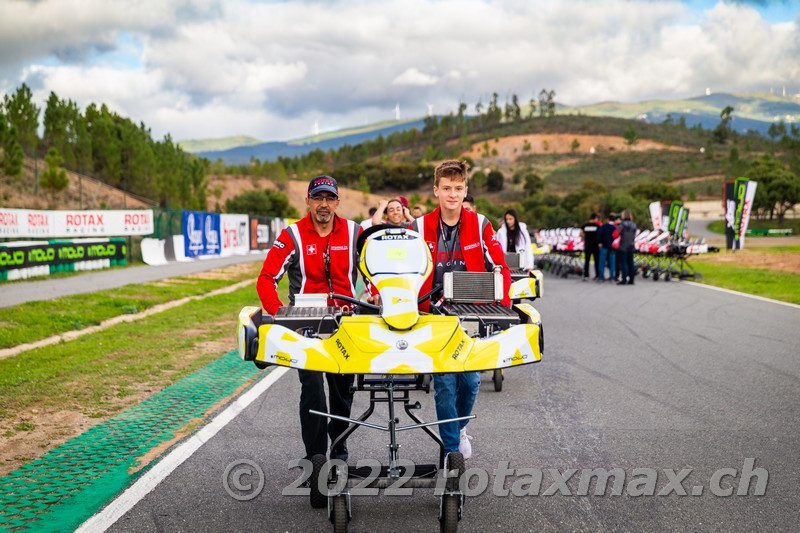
(33, 321)
(68, 485)
(92, 373)
(783, 286)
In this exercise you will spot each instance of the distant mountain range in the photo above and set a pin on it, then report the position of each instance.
(270, 151)
(225, 143)
(751, 112)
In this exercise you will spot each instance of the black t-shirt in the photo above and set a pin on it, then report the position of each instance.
(449, 257)
(590, 235)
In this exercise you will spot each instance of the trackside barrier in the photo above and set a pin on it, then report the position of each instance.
(207, 235)
(26, 259)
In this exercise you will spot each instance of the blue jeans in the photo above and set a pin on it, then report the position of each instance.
(611, 257)
(455, 395)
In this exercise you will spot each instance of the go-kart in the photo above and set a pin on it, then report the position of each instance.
(389, 347)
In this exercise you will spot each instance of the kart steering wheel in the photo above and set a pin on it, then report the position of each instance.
(369, 231)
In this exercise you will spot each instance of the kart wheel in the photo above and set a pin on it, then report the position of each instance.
(318, 499)
(497, 377)
(655, 276)
(449, 521)
(667, 275)
(339, 514)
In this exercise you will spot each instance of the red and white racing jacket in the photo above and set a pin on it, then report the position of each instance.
(478, 247)
(300, 251)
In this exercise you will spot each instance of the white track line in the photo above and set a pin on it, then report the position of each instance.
(752, 296)
(104, 519)
(70, 335)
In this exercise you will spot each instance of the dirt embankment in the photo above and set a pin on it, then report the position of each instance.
(353, 203)
(82, 192)
(515, 146)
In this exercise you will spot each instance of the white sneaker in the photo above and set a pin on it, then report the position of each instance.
(464, 446)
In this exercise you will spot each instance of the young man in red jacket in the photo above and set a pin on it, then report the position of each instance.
(459, 240)
(318, 252)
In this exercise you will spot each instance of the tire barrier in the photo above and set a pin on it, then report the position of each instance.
(656, 254)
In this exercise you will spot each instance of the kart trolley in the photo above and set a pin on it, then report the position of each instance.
(388, 348)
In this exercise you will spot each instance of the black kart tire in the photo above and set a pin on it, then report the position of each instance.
(497, 378)
(317, 498)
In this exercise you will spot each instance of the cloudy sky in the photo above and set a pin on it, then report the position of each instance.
(271, 69)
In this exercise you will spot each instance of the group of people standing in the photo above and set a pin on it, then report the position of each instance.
(610, 244)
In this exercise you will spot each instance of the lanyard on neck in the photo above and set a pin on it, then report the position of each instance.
(454, 239)
(326, 258)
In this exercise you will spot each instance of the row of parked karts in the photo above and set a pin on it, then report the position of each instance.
(658, 255)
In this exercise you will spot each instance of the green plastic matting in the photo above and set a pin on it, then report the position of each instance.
(61, 490)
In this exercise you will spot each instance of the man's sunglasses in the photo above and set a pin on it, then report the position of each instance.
(321, 198)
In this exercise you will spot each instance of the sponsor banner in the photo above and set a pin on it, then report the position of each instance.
(665, 215)
(234, 235)
(656, 215)
(674, 211)
(749, 196)
(261, 235)
(41, 254)
(729, 203)
(680, 226)
(24, 223)
(201, 233)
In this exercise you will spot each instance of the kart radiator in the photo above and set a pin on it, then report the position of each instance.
(473, 286)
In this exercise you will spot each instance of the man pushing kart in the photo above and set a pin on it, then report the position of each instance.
(459, 240)
(319, 254)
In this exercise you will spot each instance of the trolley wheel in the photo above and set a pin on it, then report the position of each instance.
(667, 275)
(339, 515)
(645, 273)
(448, 523)
(455, 461)
(497, 377)
(318, 499)
(697, 276)
(656, 276)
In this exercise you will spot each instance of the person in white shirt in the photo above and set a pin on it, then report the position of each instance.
(367, 222)
(513, 236)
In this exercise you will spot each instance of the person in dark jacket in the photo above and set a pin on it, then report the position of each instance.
(627, 233)
(607, 256)
(590, 249)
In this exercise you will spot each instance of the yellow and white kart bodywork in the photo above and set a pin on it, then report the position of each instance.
(399, 340)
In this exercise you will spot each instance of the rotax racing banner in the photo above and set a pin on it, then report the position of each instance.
(26, 223)
(201, 233)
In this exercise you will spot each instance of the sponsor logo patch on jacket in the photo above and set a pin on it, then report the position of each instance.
(471, 246)
(278, 244)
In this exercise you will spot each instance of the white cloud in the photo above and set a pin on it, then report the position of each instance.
(412, 76)
(270, 69)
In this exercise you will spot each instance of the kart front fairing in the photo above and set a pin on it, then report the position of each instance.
(400, 340)
(366, 345)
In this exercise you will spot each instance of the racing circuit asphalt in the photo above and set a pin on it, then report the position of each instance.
(658, 375)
